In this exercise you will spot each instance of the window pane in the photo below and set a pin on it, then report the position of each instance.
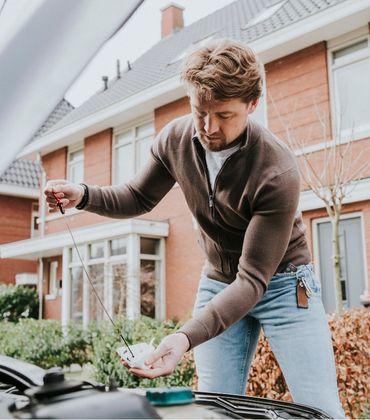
(97, 278)
(76, 156)
(74, 254)
(119, 289)
(145, 130)
(118, 246)
(123, 138)
(76, 299)
(147, 287)
(143, 151)
(353, 90)
(149, 246)
(124, 164)
(76, 172)
(347, 51)
(97, 250)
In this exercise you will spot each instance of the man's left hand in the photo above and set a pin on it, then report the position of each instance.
(165, 357)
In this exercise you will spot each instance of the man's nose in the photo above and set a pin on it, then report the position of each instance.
(210, 125)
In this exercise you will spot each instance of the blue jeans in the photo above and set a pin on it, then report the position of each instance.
(300, 340)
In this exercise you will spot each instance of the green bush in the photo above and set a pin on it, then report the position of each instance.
(109, 369)
(18, 302)
(43, 343)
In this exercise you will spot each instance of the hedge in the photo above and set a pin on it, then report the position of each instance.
(351, 348)
(44, 344)
(18, 302)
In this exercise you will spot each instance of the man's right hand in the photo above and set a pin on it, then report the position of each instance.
(68, 193)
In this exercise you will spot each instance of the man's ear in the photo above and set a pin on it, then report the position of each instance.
(253, 105)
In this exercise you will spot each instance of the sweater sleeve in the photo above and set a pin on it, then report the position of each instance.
(138, 196)
(265, 242)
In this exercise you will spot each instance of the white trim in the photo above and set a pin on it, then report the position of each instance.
(15, 191)
(53, 244)
(328, 24)
(317, 147)
(66, 289)
(161, 298)
(133, 277)
(315, 241)
(361, 192)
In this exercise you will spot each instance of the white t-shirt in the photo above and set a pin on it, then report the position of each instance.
(215, 160)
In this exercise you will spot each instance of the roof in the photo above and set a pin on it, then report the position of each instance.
(61, 110)
(26, 173)
(22, 173)
(158, 63)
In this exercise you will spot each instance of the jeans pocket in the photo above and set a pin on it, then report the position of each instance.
(313, 281)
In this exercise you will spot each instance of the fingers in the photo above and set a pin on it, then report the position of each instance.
(152, 373)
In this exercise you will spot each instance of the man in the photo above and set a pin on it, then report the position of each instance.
(242, 186)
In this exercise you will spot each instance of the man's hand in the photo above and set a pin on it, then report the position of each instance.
(70, 194)
(165, 357)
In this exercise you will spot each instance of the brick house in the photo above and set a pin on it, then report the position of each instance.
(314, 53)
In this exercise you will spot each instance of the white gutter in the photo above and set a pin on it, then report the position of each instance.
(14, 191)
(328, 24)
(53, 244)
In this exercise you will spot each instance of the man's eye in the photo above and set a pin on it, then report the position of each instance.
(225, 117)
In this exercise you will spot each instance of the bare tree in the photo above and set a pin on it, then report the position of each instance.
(331, 179)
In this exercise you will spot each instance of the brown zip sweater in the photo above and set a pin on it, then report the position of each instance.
(249, 225)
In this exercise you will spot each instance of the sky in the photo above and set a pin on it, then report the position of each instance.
(141, 32)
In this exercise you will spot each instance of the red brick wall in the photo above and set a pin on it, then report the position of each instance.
(297, 87)
(15, 225)
(168, 112)
(98, 158)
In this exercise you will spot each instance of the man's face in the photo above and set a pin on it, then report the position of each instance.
(219, 123)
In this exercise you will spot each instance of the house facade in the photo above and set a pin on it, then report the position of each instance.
(317, 73)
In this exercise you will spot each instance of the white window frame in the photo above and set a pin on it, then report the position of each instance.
(334, 45)
(53, 281)
(315, 241)
(35, 214)
(134, 140)
(132, 260)
(73, 149)
(263, 101)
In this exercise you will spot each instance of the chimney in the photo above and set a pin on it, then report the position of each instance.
(172, 19)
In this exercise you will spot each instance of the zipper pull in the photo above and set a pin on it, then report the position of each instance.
(210, 201)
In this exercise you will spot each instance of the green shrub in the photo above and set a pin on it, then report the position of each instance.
(43, 343)
(18, 302)
(109, 369)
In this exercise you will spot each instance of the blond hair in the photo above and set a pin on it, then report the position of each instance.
(222, 70)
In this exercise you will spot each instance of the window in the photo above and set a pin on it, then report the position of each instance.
(34, 220)
(108, 263)
(350, 70)
(75, 172)
(53, 285)
(131, 151)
